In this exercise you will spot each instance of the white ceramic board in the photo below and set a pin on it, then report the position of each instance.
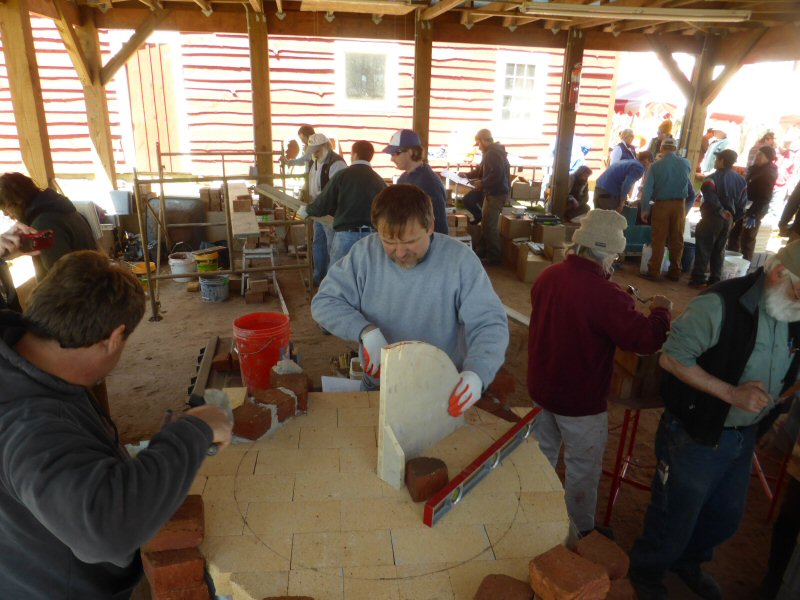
(416, 382)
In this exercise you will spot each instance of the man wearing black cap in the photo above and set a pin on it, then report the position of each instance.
(728, 359)
(761, 177)
(724, 198)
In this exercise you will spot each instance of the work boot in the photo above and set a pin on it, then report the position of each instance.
(700, 582)
(649, 591)
(649, 276)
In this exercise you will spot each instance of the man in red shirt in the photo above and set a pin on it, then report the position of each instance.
(579, 318)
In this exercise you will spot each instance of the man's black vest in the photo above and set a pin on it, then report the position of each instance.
(324, 174)
(702, 415)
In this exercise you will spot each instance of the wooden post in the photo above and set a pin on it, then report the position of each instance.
(695, 117)
(423, 55)
(26, 91)
(573, 56)
(95, 95)
(259, 77)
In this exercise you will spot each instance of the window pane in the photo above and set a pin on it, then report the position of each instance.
(365, 77)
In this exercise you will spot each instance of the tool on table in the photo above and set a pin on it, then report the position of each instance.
(450, 495)
(634, 291)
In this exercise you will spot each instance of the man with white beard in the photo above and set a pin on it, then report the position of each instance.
(728, 358)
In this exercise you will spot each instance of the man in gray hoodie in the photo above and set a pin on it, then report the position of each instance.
(406, 283)
(74, 506)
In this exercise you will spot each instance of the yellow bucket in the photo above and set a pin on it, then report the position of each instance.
(140, 271)
(207, 262)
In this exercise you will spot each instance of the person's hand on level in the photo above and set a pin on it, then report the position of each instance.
(217, 419)
(466, 393)
(372, 341)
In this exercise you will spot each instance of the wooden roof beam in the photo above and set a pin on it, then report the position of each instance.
(735, 60)
(72, 43)
(205, 7)
(153, 5)
(138, 38)
(257, 6)
(671, 66)
(437, 9)
(499, 6)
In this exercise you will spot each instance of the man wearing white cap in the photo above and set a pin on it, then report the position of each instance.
(325, 163)
(408, 155)
(569, 375)
(730, 356)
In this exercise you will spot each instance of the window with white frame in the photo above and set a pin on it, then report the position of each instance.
(366, 76)
(519, 91)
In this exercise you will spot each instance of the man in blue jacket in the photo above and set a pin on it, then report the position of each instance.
(724, 198)
(74, 506)
(493, 178)
(616, 182)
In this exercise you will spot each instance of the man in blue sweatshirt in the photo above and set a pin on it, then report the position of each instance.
(405, 283)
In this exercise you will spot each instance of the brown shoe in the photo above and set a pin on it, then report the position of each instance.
(674, 276)
(698, 285)
(649, 276)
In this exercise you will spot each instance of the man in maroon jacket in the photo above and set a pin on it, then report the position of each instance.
(579, 317)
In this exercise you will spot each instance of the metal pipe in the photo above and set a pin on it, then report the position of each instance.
(198, 274)
(145, 252)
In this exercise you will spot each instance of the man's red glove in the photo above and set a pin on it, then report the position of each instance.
(372, 341)
(466, 393)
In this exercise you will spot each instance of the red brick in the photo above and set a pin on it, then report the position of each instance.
(424, 477)
(297, 382)
(173, 569)
(185, 529)
(251, 420)
(197, 592)
(621, 589)
(495, 587)
(254, 297)
(559, 574)
(602, 551)
(285, 403)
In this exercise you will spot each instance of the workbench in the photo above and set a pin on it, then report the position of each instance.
(302, 512)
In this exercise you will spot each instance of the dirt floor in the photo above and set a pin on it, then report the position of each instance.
(161, 358)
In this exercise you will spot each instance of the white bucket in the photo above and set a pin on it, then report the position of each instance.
(214, 288)
(647, 252)
(182, 262)
(734, 267)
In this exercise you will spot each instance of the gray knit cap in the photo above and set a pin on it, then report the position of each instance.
(602, 230)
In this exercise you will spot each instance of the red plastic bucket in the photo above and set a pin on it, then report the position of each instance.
(262, 339)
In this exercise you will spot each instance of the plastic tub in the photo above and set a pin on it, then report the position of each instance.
(262, 339)
(140, 271)
(207, 262)
(734, 267)
(214, 288)
(182, 262)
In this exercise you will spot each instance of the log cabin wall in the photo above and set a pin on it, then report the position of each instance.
(207, 105)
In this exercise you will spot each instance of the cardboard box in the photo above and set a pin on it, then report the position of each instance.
(253, 297)
(635, 376)
(550, 250)
(510, 251)
(522, 190)
(530, 265)
(550, 234)
(569, 230)
(559, 255)
(242, 205)
(258, 285)
(512, 227)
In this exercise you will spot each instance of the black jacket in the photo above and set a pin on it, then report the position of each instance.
(494, 171)
(51, 210)
(760, 181)
(74, 508)
(702, 415)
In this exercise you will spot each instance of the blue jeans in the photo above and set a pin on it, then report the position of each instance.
(322, 243)
(698, 498)
(344, 240)
(473, 202)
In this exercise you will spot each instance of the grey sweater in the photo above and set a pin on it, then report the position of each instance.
(74, 508)
(447, 300)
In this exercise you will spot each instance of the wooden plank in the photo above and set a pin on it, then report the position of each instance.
(416, 382)
(259, 76)
(72, 43)
(94, 94)
(423, 58)
(26, 91)
(732, 64)
(139, 37)
(437, 9)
